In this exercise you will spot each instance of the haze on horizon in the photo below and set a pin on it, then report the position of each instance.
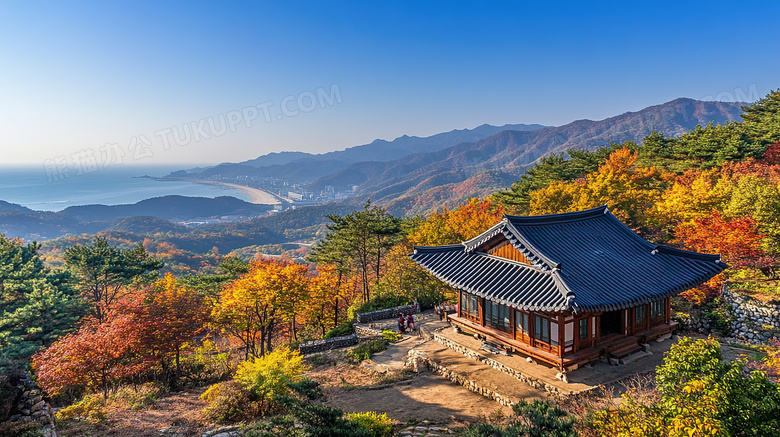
(198, 82)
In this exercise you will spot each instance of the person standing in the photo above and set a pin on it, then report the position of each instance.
(401, 321)
(410, 322)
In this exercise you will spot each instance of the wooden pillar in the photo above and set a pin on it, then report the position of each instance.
(481, 304)
(512, 328)
(460, 303)
(668, 310)
(561, 334)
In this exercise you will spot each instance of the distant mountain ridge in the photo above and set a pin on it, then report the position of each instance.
(392, 184)
(300, 167)
(144, 216)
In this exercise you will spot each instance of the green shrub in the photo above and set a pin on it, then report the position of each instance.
(345, 328)
(91, 408)
(206, 364)
(540, 418)
(391, 335)
(364, 350)
(306, 388)
(229, 402)
(277, 426)
(378, 425)
(718, 314)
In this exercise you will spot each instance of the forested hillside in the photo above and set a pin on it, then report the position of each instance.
(110, 329)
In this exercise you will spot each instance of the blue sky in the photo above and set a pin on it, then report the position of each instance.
(76, 76)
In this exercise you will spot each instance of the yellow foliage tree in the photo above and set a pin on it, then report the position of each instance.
(252, 307)
(629, 190)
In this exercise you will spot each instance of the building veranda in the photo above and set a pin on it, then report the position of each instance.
(566, 289)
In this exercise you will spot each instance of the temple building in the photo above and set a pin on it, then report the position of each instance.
(566, 289)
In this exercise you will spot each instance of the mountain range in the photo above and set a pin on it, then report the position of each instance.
(409, 175)
(415, 175)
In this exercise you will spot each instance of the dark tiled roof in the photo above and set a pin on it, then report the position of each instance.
(585, 260)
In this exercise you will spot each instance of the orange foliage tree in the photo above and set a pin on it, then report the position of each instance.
(629, 190)
(95, 357)
(455, 225)
(171, 316)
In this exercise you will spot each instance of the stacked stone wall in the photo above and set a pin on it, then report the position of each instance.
(388, 313)
(32, 408)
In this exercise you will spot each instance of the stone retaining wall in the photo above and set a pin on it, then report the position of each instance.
(388, 313)
(366, 331)
(328, 344)
(416, 360)
(32, 408)
(754, 321)
(533, 382)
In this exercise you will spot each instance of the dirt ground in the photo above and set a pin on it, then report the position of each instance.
(181, 410)
(403, 396)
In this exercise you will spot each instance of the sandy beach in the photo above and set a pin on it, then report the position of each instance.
(256, 195)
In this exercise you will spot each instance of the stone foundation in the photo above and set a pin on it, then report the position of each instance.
(416, 360)
(533, 382)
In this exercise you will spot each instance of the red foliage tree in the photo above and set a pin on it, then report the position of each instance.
(171, 315)
(737, 240)
(95, 357)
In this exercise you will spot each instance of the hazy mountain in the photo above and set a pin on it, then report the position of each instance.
(12, 207)
(512, 152)
(168, 207)
(146, 216)
(301, 167)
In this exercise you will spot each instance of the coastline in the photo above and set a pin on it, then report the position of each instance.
(256, 195)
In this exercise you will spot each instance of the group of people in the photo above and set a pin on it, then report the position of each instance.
(405, 322)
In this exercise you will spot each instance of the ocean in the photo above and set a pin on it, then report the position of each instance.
(36, 189)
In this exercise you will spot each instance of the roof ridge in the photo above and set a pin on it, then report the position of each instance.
(688, 254)
(438, 248)
(557, 218)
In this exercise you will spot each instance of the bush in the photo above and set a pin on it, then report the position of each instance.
(277, 426)
(206, 364)
(141, 397)
(20, 429)
(379, 425)
(267, 376)
(306, 388)
(229, 402)
(364, 350)
(91, 408)
(718, 313)
(391, 335)
(345, 328)
(531, 419)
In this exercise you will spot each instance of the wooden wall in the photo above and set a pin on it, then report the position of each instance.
(506, 250)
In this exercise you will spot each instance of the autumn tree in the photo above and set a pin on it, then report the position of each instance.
(629, 190)
(96, 357)
(103, 271)
(170, 316)
(252, 307)
(332, 291)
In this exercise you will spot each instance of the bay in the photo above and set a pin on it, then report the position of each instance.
(33, 188)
